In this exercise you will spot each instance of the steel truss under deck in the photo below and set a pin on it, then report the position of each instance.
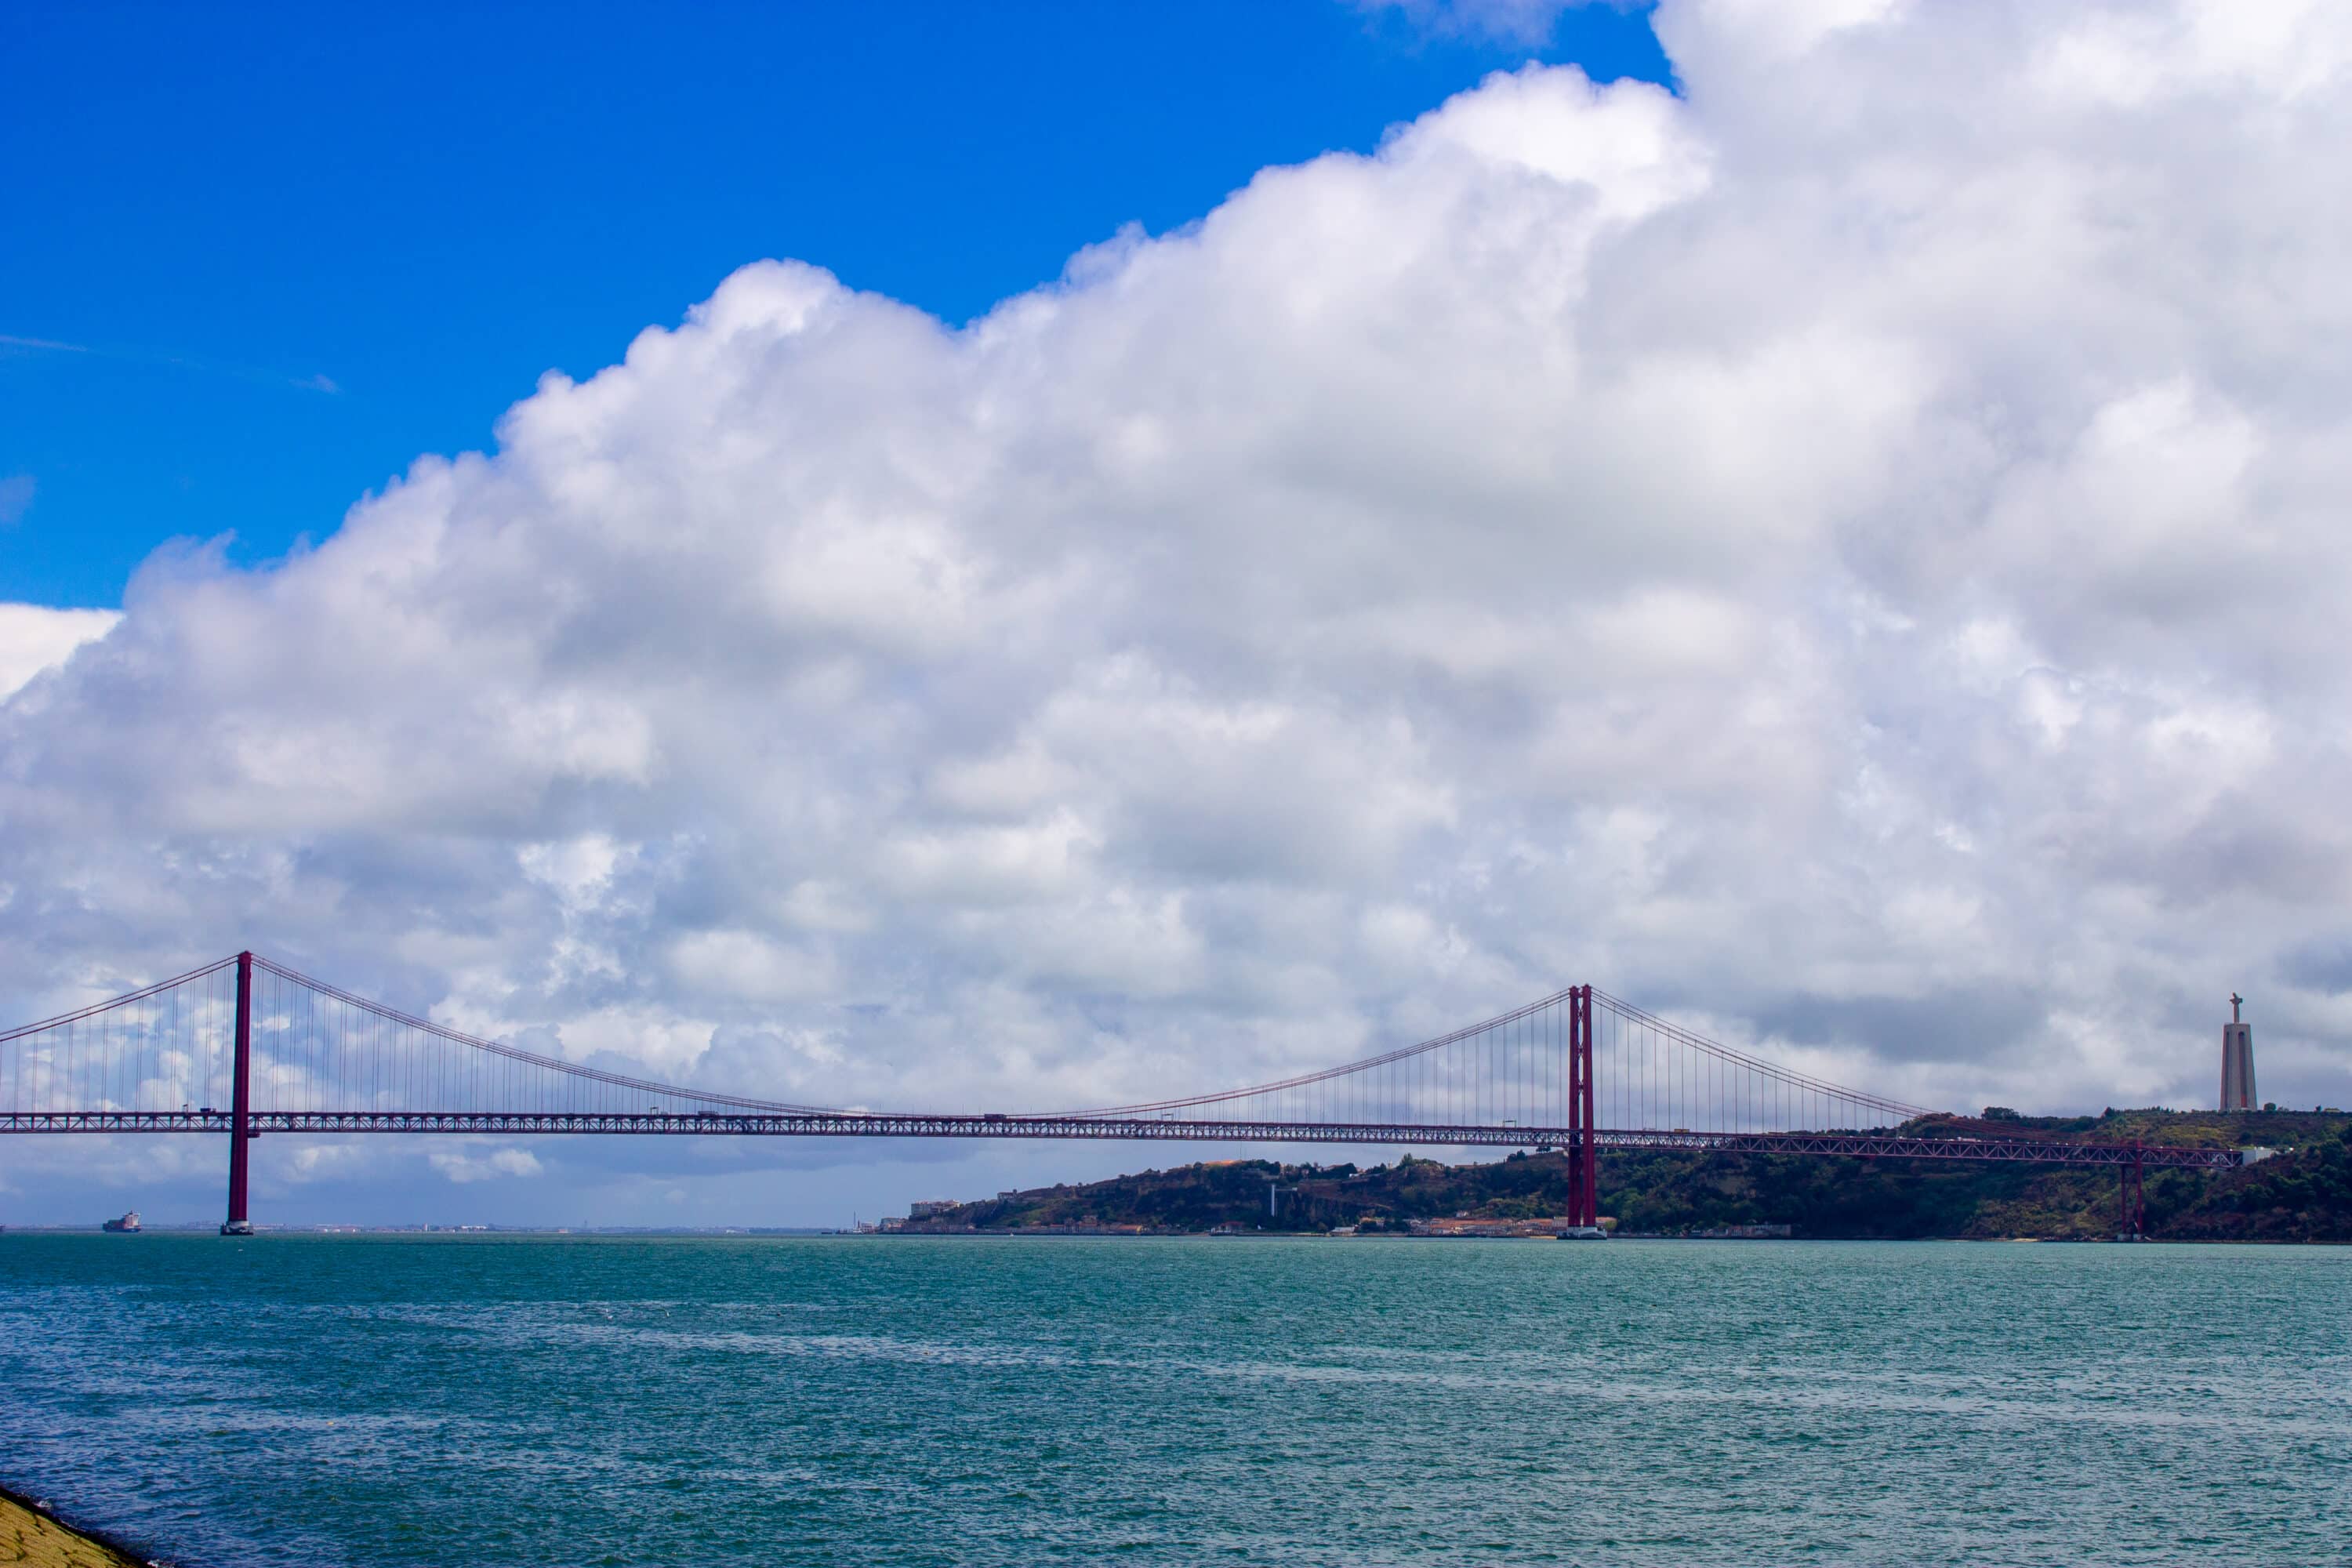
(877, 1124)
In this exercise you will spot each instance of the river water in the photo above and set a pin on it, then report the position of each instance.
(422, 1400)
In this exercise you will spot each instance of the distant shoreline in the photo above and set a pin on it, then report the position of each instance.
(1047, 1233)
(1042, 1234)
(44, 1541)
(444, 1232)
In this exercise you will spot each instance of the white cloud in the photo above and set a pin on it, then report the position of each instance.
(745, 965)
(1854, 552)
(1511, 21)
(34, 637)
(462, 1167)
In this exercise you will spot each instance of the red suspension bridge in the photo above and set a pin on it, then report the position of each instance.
(243, 1047)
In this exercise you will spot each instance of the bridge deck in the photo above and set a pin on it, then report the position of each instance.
(1164, 1129)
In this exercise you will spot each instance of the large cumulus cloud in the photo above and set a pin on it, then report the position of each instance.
(1853, 554)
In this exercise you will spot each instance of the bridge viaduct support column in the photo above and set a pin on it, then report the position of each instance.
(2131, 1200)
(240, 1130)
(1584, 1157)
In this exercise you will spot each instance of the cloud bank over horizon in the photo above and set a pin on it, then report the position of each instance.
(1852, 556)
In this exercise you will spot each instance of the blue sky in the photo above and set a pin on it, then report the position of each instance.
(227, 211)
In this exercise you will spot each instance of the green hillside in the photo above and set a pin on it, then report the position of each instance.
(2303, 1195)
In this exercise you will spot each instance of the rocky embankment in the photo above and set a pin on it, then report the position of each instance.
(31, 1535)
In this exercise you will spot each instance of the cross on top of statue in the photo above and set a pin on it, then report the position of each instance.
(2234, 1000)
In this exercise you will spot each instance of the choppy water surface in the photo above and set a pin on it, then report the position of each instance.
(380, 1401)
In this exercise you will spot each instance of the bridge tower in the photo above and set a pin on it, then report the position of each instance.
(1583, 1154)
(240, 1130)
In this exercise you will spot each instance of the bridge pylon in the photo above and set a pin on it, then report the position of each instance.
(240, 1118)
(1584, 1150)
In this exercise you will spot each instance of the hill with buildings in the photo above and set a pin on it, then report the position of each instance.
(2302, 1194)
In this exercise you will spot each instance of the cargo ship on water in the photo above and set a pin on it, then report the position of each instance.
(128, 1224)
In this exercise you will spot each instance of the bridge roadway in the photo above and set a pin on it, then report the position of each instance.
(875, 1124)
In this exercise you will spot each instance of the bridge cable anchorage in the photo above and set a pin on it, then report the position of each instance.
(248, 1047)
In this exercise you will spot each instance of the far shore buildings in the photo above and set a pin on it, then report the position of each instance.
(2237, 1060)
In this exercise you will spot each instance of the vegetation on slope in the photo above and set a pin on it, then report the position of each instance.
(2303, 1195)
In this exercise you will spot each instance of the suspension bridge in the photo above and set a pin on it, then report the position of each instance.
(243, 1047)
